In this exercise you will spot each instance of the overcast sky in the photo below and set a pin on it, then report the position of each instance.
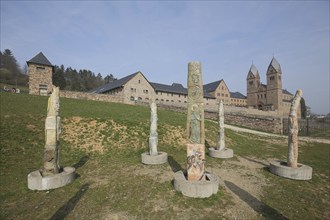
(160, 38)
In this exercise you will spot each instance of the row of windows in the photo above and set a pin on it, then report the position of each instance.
(237, 100)
(222, 95)
(168, 94)
(145, 91)
(262, 96)
(273, 77)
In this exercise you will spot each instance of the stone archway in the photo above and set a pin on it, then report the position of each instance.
(260, 105)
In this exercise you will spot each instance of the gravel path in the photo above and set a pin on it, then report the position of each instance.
(245, 130)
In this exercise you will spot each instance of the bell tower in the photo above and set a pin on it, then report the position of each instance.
(274, 85)
(252, 85)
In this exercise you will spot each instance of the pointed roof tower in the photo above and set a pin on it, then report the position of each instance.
(41, 59)
(274, 65)
(253, 72)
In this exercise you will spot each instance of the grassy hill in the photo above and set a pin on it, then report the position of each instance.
(103, 141)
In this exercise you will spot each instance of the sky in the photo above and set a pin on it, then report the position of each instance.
(159, 38)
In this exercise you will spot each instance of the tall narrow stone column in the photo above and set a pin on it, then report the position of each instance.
(195, 123)
(220, 150)
(52, 131)
(153, 136)
(292, 159)
(153, 156)
(195, 182)
(51, 176)
(291, 168)
(221, 142)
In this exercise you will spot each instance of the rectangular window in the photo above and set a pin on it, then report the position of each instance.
(251, 82)
(40, 68)
(271, 78)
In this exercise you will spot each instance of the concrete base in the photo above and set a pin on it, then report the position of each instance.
(302, 172)
(38, 182)
(196, 189)
(161, 158)
(225, 153)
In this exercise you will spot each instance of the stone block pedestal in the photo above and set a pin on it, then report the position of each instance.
(38, 182)
(225, 153)
(197, 188)
(302, 172)
(161, 158)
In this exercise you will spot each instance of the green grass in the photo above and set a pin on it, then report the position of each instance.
(114, 184)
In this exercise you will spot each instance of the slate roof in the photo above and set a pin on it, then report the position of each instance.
(237, 95)
(254, 70)
(40, 58)
(263, 85)
(210, 87)
(286, 92)
(274, 63)
(175, 88)
(113, 85)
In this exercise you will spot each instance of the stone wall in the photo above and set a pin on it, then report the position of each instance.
(244, 117)
(92, 96)
(268, 124)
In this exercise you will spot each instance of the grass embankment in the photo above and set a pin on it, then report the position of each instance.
(104, 142)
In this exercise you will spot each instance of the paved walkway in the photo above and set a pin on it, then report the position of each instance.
(245, 130)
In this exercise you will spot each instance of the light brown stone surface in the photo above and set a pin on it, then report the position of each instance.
(292, 159)
(52, 131)
(40, 79)
(196, 161)
(195, 123)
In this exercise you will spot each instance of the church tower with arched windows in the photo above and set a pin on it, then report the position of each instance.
(274, 85)
(268, 96)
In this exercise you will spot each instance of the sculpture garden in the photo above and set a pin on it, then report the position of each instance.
(103, 142)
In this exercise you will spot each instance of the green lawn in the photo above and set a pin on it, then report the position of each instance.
(104, 142)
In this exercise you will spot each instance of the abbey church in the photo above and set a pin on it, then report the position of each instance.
(271, 96)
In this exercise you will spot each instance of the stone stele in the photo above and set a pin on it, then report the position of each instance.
(292, 169)
(221, 151)
(51, 176)
(153, 156)
(195, 182)
(195, 123)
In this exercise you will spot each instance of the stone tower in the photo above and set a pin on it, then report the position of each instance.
(40, 75)
(252, 85)
(274, 85)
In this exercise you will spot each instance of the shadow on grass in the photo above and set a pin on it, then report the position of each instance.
(175, 166)
(81, 162)
(258, 206)
(62, 212)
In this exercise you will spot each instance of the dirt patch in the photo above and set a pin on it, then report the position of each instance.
(31, 127)
(117, 216)
(160, 175)
(174, 136)
(93, 135)
(244, 180)
(83, 133)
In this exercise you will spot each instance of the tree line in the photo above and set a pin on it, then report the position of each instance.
(66, 78)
